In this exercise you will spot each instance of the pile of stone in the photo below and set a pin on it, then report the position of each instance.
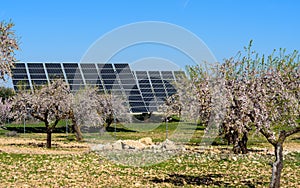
(138, 145)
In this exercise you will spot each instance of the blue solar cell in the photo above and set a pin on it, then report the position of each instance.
(76, 82)
(158, 90)
(131, 82)
(88, 66)
(89, 71)
(121, 65)
(147, 95)
(90, 76)
(156, 81)
(126, 76)
(20, 76)
(145, 86)
(19, 71)
(20, 65)
(139, 110)
(20, 82)
(124, 71)
(146, 90)
(129, 87)
(53, 77)
(132, 92)
(171, 90)
(70, 66)
(149, 99)
(105, 66)
(39, 82)
(135, 98)
(114, 87)
(107, 72)
(38, 76)
(54, 71)
(35, 65)
(53, 65)
(143, 81)
(108, 76)
(135, 104)
(158, 85)
(110, 82)
(167, 75)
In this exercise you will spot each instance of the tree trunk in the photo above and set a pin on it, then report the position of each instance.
(239, 145)
(49, 134)
(109, 121)
(243, 143)
(277, 166)
(77, 131)
(235, 140)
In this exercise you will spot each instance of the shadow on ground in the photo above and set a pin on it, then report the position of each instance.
(208, 180)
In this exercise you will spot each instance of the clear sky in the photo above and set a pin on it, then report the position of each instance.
(62, 30)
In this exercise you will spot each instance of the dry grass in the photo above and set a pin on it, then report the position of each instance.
(25, 162)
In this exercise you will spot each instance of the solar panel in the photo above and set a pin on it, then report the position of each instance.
(128, 87)
(20, 78)
(106, 82)
(135, 98)
(148, 95)
(39, 82)
(73, 75)
(19, 71)
(112, 86)
(105, 66)
(130, 82)
(167, 75)
(139, 110)
(121, 65)
(54, 71)
(107, 71)
(143, 90)
(88, 66)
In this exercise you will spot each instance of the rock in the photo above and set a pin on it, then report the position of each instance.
(169, 145)
(97, 147)
(147, 141)
(133, 144)
(107, 147)
(234, 158)
(118, 145)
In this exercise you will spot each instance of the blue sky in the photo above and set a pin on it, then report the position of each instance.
(57, 30)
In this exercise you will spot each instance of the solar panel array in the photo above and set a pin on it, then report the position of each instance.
(144, 90)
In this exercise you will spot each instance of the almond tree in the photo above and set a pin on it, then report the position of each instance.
(264, 93)
(93, 109)
(5, 107)
(8, 46)
(274, 101)
(83, 111)
(261, 92)
(49, 104)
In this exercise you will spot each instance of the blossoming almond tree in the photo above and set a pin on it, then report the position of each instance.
(93, 109)
(257, 92)
(8, 46)
(5, 107)
(49, 104)
(274, 98)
